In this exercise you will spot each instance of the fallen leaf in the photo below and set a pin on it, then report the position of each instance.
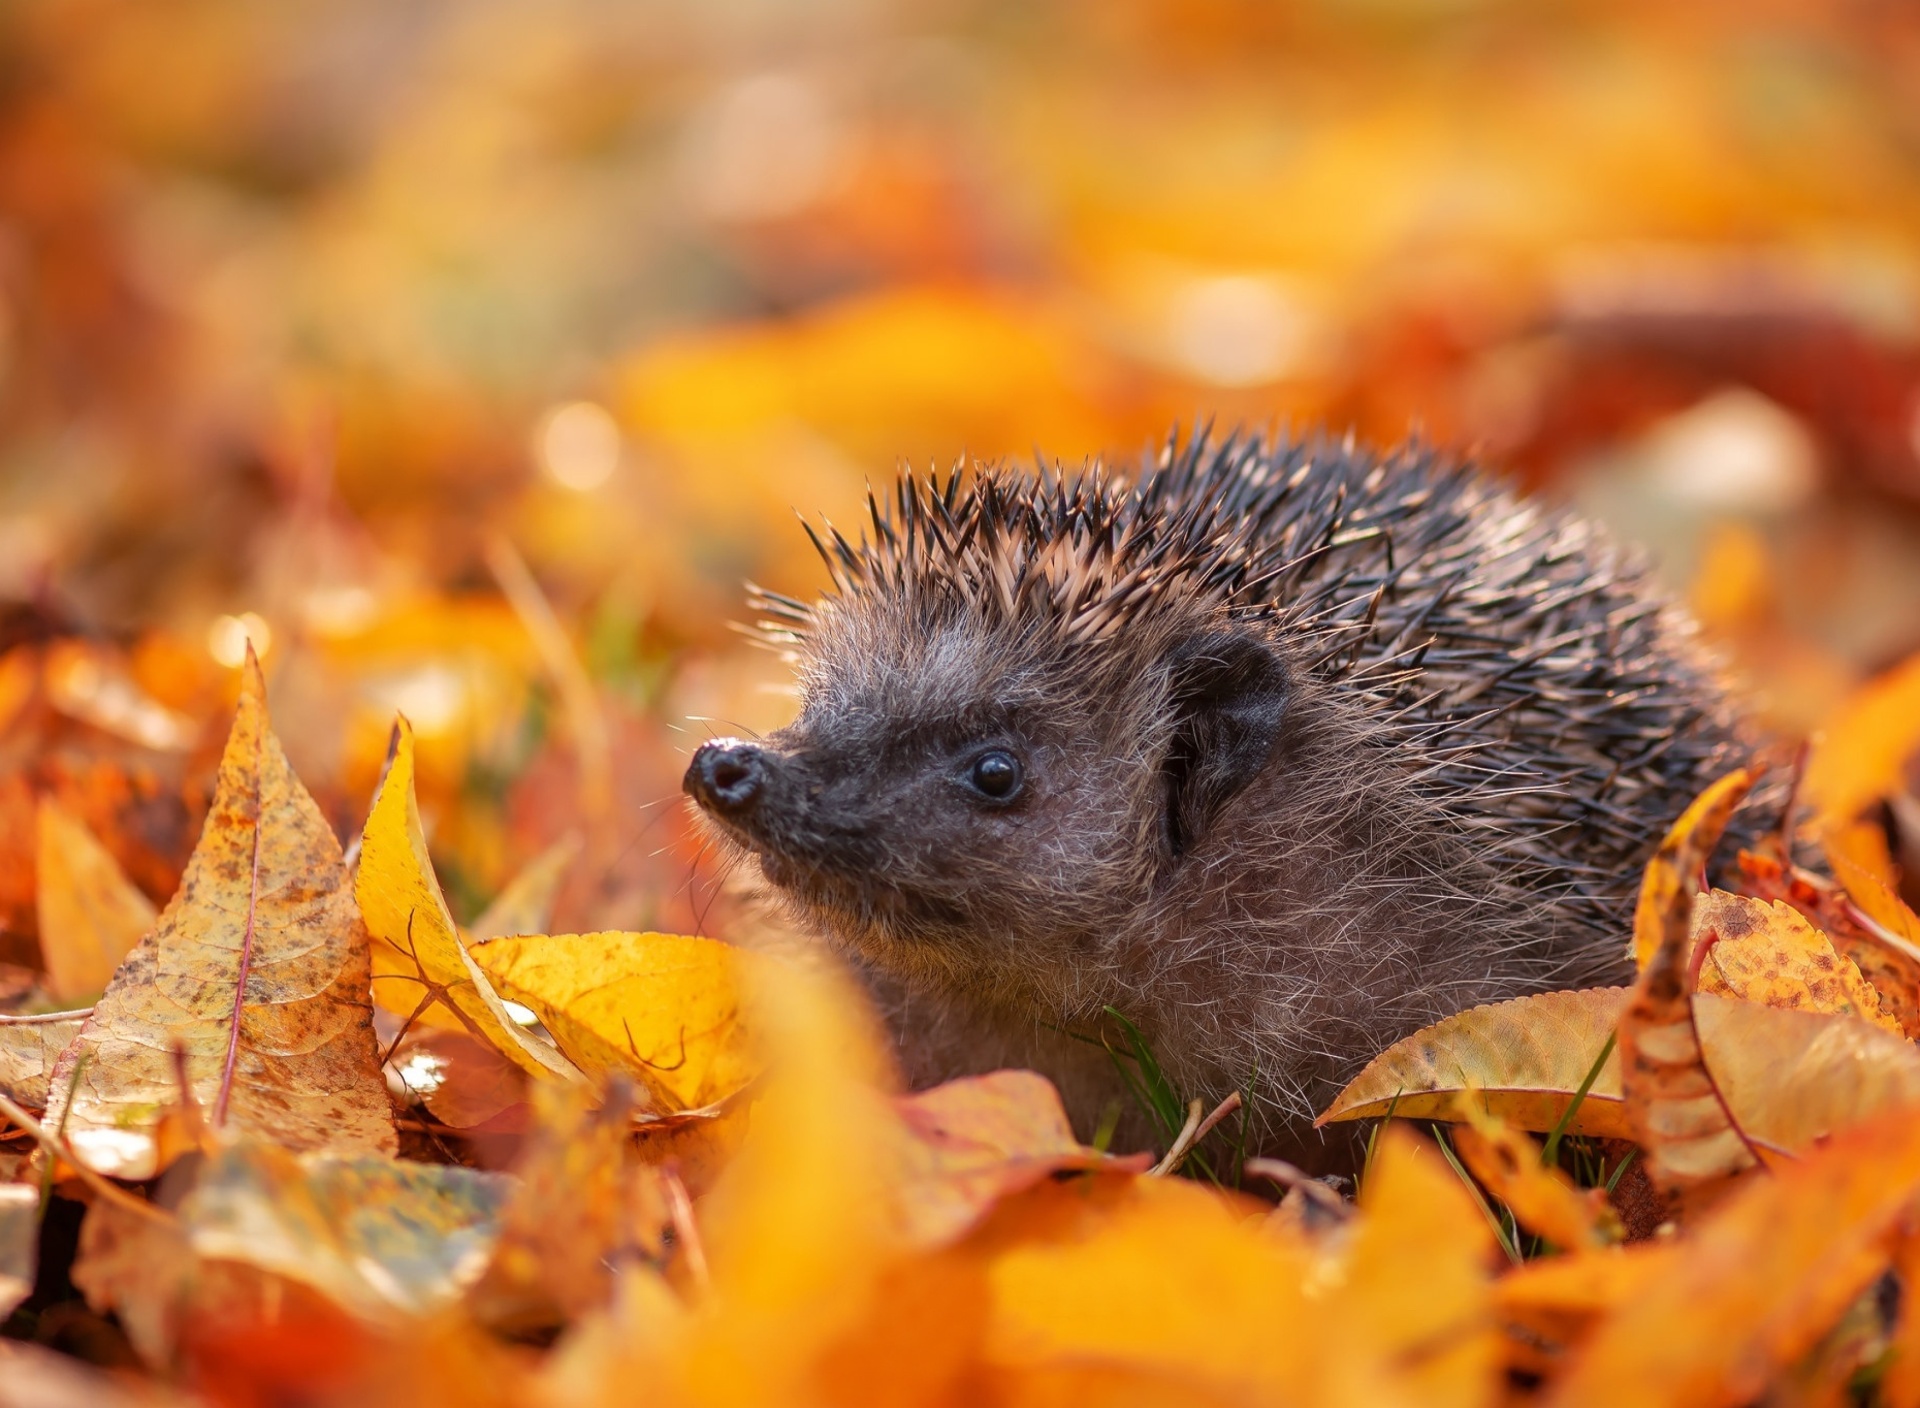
(1410, 1309)
(257, 969)
(1876, 898)
(1859, 756)
(464, 1081)
(583, 1206)
(1762, 1277)
(1523, 1059)
(1154, 1276)
(29, 1049)
(1889, 962)
(1790, 1079)
(1543, 1198)
(19, 1243)
(419, 960)
(1549, 1305)
(525, 902)
(375, 1236)
(663, 1009)
(974, 1141)
(1690, 1143)
(1770, 954)
(91, 915)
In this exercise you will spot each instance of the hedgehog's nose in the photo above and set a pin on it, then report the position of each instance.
(726, 776)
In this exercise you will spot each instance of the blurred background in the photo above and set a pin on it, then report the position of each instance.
(469, 354)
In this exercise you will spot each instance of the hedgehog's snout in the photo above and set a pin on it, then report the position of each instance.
(727, 776)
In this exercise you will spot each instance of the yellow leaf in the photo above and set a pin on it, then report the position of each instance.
(1770, 954)
(661, 1008)
(1868, 886)
(1672, 876)
(91, 915)
(417, 945)
(257, 970)
(1523, 1059)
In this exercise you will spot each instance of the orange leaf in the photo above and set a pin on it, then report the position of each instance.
(1545, 1200)
(977, 1140)
(257, 969)
(1761, 1278)
(1859, 755)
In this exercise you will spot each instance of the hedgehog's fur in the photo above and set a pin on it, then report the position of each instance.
(1323, 745)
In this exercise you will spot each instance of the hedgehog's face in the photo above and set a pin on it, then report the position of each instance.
(960, 799)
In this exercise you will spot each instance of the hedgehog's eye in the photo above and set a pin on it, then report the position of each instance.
(995, 774)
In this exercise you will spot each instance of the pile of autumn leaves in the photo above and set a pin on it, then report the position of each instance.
(720, 1201)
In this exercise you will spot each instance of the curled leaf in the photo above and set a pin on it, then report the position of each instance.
(1677, 1118)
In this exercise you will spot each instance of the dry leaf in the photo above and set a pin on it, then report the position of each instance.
(1411, 1309)
(1770, 954)
(1522, 1059)
(1544, 1199)
(1789, 1079)
(1885, 959)
(464, 1081)
(91, 915)
(19, 1243)
(1760, 1280)
(420, 962)
(1149, 1275)
(663, 1009)
(29, 1049)
(1690, 1142)
(1859, 756)
(257, 969)
(974, 1141)
(583, 1207)
(377, 1237)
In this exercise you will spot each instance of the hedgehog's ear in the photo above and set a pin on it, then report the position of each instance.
(1229, 695)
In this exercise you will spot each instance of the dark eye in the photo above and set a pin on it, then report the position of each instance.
(995, 774)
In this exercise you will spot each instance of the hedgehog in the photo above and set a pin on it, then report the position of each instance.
(1275, 749)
